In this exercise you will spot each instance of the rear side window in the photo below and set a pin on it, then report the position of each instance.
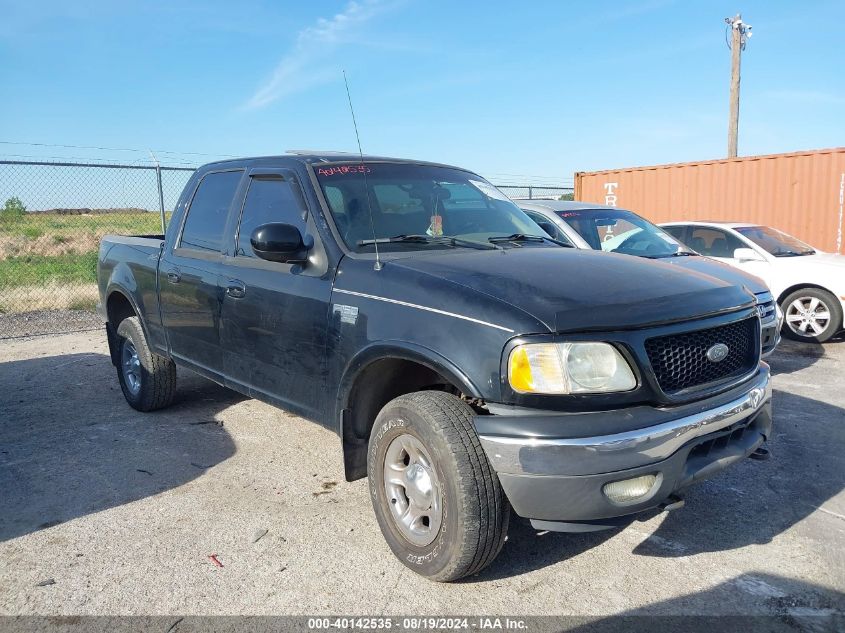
(207, 214)
(269, 199)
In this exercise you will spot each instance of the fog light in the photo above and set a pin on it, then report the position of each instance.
(629, 490)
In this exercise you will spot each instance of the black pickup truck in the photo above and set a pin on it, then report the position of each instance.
(468, 363)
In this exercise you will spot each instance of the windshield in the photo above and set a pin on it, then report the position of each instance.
(776, 243)
(620, 231)
(427, 202)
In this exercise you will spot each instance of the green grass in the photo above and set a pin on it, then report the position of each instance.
(33, 225)
(52, 248)
(30, 270)
(81, 303)
(32, 232)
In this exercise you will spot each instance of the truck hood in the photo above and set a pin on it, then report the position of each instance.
(719, 271)
(569, 289)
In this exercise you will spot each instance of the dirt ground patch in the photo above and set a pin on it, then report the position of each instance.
(122, 512)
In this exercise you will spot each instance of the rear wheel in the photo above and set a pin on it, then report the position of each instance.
(438, 502)
(811, 315)
(148, 380)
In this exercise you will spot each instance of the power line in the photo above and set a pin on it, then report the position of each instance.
(114, 149)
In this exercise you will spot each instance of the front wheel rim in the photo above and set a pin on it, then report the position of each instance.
(808, 317)
(131, 367)
(413, 490)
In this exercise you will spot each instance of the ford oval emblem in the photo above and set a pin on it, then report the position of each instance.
(718, 353)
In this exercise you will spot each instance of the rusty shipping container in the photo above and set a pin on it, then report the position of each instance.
(802, 193)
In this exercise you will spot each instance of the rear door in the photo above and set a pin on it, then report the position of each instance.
(274, 315)
(188, 274)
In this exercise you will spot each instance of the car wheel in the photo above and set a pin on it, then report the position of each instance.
(811, 315)
(148, 380)
(437, 500)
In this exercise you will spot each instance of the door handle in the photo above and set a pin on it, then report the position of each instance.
(236, 289)
(174, 276)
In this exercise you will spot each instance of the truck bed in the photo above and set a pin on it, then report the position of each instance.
(131, 257)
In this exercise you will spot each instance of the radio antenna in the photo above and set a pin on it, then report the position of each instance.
(378, 265)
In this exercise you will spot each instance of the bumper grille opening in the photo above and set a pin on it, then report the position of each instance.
(680, 361)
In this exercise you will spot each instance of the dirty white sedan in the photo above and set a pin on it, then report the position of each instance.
(809, 284)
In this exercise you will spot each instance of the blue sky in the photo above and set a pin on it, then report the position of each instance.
(516, 91)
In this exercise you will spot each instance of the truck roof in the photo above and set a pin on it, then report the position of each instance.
(325, 156)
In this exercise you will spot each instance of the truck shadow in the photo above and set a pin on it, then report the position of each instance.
(527, 550)
(71, 446)
(746, 603)
(755, 501)
(793, 356)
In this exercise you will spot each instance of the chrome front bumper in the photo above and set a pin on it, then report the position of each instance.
(559, 482)
(605, 453)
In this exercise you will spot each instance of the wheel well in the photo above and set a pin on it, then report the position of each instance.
(118, 308)
(792, 289)
(377, 384)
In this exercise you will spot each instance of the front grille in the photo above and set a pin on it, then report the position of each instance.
(679, 361)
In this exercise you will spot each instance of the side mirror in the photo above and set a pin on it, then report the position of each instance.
(277, 242)
(748, 255)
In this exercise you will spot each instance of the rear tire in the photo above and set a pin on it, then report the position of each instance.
(811, 315)
(437, 500)
(148, 380)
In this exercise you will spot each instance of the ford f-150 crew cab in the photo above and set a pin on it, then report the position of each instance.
(468, 363)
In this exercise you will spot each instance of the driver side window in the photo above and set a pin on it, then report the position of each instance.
(713, 242)
(269, 199)
(548, 226)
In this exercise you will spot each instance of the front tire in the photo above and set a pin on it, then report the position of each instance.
(148, 381)
(437, 500)
(811, 315)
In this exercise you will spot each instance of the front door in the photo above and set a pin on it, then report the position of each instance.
(274, 315)
(720, 245)
(188, 275)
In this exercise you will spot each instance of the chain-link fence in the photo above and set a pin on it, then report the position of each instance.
(52, 217)
(533, 192)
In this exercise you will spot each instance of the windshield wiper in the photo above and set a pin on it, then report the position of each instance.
(684, 254)
(429, 239)
(522, 237)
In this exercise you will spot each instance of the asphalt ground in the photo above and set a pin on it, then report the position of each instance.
(104, 510)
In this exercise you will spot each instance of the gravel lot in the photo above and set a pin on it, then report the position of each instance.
(121, 511)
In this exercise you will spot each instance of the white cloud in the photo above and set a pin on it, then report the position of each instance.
(303, 67)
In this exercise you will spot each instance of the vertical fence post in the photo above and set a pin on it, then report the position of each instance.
(530, 197)
(160, 197)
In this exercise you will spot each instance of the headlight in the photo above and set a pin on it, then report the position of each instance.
(562, 368)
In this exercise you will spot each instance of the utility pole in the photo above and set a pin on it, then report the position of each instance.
(740, 32)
